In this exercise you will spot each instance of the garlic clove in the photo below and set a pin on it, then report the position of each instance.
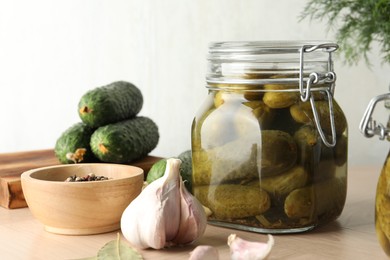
(170, 197)
(193, 219)
(207, 211)
(151, 219)
(204, 253)
(241, 249)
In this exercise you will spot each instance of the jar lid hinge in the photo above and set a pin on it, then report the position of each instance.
(368, 126)
(315, 78)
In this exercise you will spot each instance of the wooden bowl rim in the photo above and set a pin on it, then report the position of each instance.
(26, 176)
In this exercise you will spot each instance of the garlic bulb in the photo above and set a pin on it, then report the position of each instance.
(204, 253)
(164, 214)
(241, 249)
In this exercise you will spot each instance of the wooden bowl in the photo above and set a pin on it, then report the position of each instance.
(81, 208)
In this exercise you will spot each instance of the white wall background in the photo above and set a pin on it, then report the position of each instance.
(52, 52)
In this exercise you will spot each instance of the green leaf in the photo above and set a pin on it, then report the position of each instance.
(118, 250)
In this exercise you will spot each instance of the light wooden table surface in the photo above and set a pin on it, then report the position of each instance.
(352, 236)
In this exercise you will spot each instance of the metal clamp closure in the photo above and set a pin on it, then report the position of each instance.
(369, 127)
(316, 78)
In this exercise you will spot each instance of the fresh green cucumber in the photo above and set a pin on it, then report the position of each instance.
(158, 169)
(73, 146)
(186, 168)
(108, 104)
(125, 141)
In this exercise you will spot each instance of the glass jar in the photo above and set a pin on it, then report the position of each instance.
(370, 128)
(269, 144)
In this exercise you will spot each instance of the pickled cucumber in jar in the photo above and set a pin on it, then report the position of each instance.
(229, 201)
(278, 152)
(308, 142)
(322, 161)
(318, 199)
(261, 153)
(222, 95)
(302, 112)
(282, 184)
(279, 98)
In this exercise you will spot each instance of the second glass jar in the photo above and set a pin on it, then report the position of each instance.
(269, 144)
(370, 128)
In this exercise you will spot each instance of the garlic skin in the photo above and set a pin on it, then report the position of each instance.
(193, 219)
(241, 249)
(164, 214)
(204, 253)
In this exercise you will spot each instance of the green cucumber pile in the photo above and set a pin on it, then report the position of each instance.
(110, 129)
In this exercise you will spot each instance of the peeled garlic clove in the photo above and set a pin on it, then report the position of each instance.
(193, 220)
(152, 218)
(204, 253)
(241, 249)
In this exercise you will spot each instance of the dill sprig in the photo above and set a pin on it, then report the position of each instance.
(358, 23)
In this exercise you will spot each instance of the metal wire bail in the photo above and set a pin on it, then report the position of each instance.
(368, 126)
(332, 142)
(315, 78)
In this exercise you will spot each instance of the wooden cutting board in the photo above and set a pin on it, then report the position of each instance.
(12, 165)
